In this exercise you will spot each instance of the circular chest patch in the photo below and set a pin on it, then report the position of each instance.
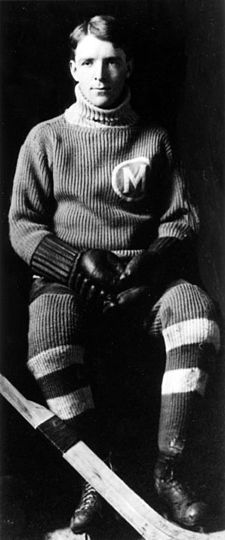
(129, 178)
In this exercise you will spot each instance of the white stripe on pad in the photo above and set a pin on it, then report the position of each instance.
(55, 359)
(72, 404)
(192, 331)
(179, 381)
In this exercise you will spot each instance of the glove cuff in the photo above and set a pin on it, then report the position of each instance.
(55, 260)
(163, 244)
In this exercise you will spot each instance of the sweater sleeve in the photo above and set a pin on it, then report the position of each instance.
(178, 216)
(32, 200)
(174, 250)
(32, 208)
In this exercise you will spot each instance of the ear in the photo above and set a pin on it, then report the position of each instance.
(73, 70)
(129, 68)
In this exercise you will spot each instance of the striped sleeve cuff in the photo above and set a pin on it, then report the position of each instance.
(163, 244)
(55, 260)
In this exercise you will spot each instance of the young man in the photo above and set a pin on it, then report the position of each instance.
(100, 213)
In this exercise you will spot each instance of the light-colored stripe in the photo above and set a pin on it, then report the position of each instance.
(55, 359)
(192, 331)
(70, 405)
(179, 381)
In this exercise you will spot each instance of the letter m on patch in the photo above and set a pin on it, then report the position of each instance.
(134, 178)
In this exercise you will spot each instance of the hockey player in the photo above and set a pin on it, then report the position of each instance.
(100, 213)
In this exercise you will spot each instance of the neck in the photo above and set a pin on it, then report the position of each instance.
(86, 114)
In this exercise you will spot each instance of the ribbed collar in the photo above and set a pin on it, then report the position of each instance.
(83, 113)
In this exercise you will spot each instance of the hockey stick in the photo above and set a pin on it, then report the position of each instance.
(145, 520)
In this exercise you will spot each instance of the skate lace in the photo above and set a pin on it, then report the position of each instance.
(89, 496)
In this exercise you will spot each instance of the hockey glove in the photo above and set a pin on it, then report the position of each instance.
(139, 270)
(96, 274)
(165, 260)
(92, 274)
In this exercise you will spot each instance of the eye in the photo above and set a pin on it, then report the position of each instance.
(113, 61)
(87, 62)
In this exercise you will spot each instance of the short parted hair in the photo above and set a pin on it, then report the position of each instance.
(104, 27)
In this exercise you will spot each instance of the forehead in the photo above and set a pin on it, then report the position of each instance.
(92, 47)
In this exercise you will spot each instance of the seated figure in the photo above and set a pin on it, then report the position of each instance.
(101, 214)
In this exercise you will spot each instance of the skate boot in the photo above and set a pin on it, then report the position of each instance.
(181, 502)
(88, 511)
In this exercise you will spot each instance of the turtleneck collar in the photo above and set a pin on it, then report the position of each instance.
(83, 113)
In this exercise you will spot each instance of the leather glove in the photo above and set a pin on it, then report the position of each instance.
(166, 260)
(163, 262)
(96, 274)
(141, 270)
(130, 309)
(128, 299)
(133, 298)
(92, 274)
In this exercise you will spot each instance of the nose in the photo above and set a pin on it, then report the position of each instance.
(99, 70)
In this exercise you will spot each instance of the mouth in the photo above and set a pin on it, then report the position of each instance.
(102, 89)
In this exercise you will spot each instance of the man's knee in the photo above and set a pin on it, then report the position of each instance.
(186, 301)
(54, 317)
(189, 315)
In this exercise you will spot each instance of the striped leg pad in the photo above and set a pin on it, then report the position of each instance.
(61, 375)
(56, 357)
(192, 340)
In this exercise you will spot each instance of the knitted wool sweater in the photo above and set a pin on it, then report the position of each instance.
(94, 178)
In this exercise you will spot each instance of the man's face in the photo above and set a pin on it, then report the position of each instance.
(101, 70)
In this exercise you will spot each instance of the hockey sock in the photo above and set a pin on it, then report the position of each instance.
(192, 339)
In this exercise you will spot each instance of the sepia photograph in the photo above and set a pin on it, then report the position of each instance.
(112, 376)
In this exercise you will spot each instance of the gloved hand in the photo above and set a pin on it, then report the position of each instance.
(164, 261)
(140, 270)
(133, 297)
(130, 307)
(96, 274)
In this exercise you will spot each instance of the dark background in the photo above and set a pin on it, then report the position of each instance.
(179, 81)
